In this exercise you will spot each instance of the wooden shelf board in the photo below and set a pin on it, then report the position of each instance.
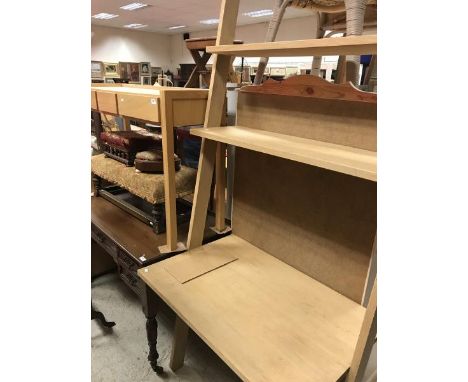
(297, 328)
(366, 44)
(344, 159)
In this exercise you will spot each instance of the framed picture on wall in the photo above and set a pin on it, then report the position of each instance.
(145, 68)
(145, 80)
(134, 72)
(124, 70)
(111, 69)
(96, 69)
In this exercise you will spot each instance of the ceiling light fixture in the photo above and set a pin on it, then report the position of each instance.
(209, 21)
(135, 26)
(134, 6)
(177, 27)
(260, 13)
(104, 16)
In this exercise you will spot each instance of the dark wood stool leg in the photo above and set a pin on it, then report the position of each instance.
(159, 218)
(150, 309)
(97, 183)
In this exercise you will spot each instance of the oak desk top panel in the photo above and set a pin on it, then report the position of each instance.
(298, 329)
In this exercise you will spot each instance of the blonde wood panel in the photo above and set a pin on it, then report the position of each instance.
(93, 100)
(320, 222)
(107, 102)
(353, 45)
(266, 320)
(137, 89)
(343, 123)
(142, 107)
(185, 268)
(179, 342)
(167, 130)
(366, 339)
(344, 159)
(189, 111)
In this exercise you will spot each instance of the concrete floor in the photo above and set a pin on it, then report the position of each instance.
(121, 355)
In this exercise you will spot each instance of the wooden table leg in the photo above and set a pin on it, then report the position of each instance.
(150, 310)
(179, 344)
(167, 131)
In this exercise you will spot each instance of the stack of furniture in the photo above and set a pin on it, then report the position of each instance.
(289, 295)
(170, 107)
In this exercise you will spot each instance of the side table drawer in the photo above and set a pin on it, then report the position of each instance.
(100, 238)
(132, 280)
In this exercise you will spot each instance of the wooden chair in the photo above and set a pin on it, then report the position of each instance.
(283, 298)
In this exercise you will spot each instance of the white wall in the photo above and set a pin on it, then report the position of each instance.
(168, 51)
(114, 44)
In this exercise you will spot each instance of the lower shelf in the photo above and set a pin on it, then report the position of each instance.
(265, 319)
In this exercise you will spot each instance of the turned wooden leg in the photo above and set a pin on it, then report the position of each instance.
(150, 308)
(179, 344)
(159, 222)
(152, 335)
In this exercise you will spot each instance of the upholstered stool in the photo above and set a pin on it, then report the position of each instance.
(149, 187)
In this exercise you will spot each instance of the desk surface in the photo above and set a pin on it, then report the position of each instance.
(144, 89)
(133, 236)
(266, 320)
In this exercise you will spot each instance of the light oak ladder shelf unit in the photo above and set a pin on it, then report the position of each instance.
(168, 106)
(283, 298)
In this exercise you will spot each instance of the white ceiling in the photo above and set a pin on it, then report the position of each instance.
(165, 13)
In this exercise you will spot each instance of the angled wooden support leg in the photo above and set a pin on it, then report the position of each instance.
(201, 198)
(220, 223)
(179, 344)
(365, 341)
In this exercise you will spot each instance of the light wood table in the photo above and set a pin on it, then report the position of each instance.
(298, 328)
(168, 106)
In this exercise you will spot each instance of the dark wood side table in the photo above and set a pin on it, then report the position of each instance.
(133, 245)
